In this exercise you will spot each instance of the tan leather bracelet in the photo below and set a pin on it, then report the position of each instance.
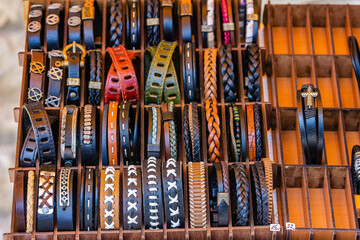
(213, 125)
(251, 132)
(269, 184)
(113, 134)
(30, 198)
(210, 80)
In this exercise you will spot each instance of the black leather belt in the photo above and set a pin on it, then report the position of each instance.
(20, 199)
(88, 18)
(186, 13)
(34, 29)
(53, 22)
(355, 57)
(46, 199)
(154, 132)
(66, 200)
(173, 193)
(104, 145)
(311, 123)
(69, 136)
(55, 75)
(88, 136)
(89, 199)
(37, 76)
(133, 24)
(95, 76)
(189, 72)
(153, 22)
(191, 133)
(167, 20)
(132, 207)
(74, 25)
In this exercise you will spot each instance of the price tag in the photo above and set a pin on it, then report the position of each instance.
(290, 226)
(275, 227)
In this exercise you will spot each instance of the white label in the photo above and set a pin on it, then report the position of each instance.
(290, 226)
(275, 227)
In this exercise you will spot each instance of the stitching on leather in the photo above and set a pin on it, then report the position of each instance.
(132, 191)
(109, 198)
(153, 189)
(173, 197)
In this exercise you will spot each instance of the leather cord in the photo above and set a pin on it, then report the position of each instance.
(35, 26)
(170, 136)
(258, 131)
(95, 76)
(74, 24)
(189, 72)
(133, 24)
(88, 136)
(116, 24)
(154, 132)
(210, 77)
(19, 197)
(253, 73)
(213, 126)
(167, 20)
(37, 77)
(54, 22)
(89, 199)
(227, 73)
(55, 76)
(269, 186)
(251, 132)
(69, 136)
(355, 168)
(112, 134)
(153, 22)
(46, 199)
(30, 201)
(355, 57)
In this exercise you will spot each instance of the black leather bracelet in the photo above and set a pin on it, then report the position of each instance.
(132, 207)
(88, 136)
(153, 22)
(74, 25)
(227, 73)
(154, 132)
(116, 24)
(355, 57)
(104, 145)
(88, 19)
(66, 200)
(95, 77)
(256, 193)
(191, 133)
(253, 72)
(53, 24)
(69, 136)
(89, 199)
(167, 20)
(189, 72)
(258, 131)
(37, 76)
(55, 75)
(186, 14)
(34, 28)
(133, 24)
(264, 194)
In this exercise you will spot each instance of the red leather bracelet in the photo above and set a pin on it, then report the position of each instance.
(121, 80)
(225, 19)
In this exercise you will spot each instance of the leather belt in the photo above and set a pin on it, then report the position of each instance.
(213, 126)
(173, 193)
(269, 185)
(55, 75)
(355, 168)
(167, 20)
(132, 207)
(19, 198)
(253, 72)
(311, 123)
(162, 71)
(74, 25)
(251, 132)
(95, 77)
(261, 203)
(228, 24)
(30, 201)
(210, 79)
(154, 132)
(66, 200)
(153, 22)
(152, 194)
(104, 135)
(109, 198)
(89, 199)
(192, 133)
(129, 120)
(239, 186)
(121, 78)
(40, 136)
(116, 24)
(88, 136)
(208, 23)
(252, 22)
(355, 56)
(69, 136)
(133, 24)
(197, 195)
(46, 201)
(37, 76)
(186, 14)
(74, 60)
(242, 17)
(227, 73)
(112, 134)
(170, 136)
(34, 28)
(189, 72)
(53, 21)
(258, 131)
(88, 18)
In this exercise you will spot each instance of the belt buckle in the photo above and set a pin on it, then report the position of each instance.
(75, 46)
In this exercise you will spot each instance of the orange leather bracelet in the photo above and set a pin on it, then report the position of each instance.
(251, 132)
(113, 134)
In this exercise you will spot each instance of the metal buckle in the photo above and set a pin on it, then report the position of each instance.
(75, 46)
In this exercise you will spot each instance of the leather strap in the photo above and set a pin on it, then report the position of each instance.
(34, 28)
(74, 60)
(197, 195)
(252, 22)
(208, 23)
(154, 132)
(95, 77)
(89, 199)
(133, 24)
(153, 22)
(161, 74)
(244, 130)
(37, 76)
(227, 27)
(355, 56)
(213, 126)
(19, 198)
(121, 77)
(88, 136)
(152, 194)
(88, 18)
(46, 201)
(189, 72)
(132, 207)
(355, 168)
(258, 131)
(30, 201)
(227, 73)
(251, 132)
(69, 136)
(55, 75)
(269, 186)
(194, 126)
(109, 198)
(53, 21)
(104, 135)
(167, 20)
(116, 24)
(173, 193)
(187, 135)
(253, 72)
(210, 77)
(66, 200)
(74, 24)
(264, 193)
(242, 17)
(112, 134)
(186, 14)
(170, 136)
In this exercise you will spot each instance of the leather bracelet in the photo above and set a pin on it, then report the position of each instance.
(132, 207)
(74, 24)
(19, 197)
(153, 22)
(104, 135)
(30, 201)
(264, 194)
(161, 74)
(133, 24)
(257, 199)
(53, 21)
(46, 201)
(235, 133)
(210, 77)
(34, 28)
(208, 23)
(355, 168)
(213, 126)
(88, 19)
(116, 24)
(154, 132)
(173, 193)
(55, 75)
(227, 73)
(192, 133)
(88, 136)
(189, 72)
(95, 76)
(167, 20)
(253, 72)
(74, 60)
(186, 14)
(37, 76)
(355, 57)
(89, 199)
(121, 80)
(239, 187)
(69, 136)
(112, 134)
(251, 132)
(252, 21)
(187, 138)
(109, 198)
(269, 186)
(225, 21)
(66, 200)
(197, 195)
(258, 131)
(170, 136)
(311, 123)
(152, 194)
(242, 17)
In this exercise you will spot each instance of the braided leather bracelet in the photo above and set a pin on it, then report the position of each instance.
(116, 25)
(227, 73)
(253, 73)
(170, 137)
(257, 197)
(264, 193)
(187, 138)
(194, 126)
(239, 187)
(213, 126)
(269, 185)
(258, 129)
(153, 22)
(154, 132)
(95, 77)
(210, 79)
(30, 201)
(251, 132)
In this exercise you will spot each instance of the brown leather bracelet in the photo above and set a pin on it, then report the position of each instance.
(30, 201)
(113, 134)
(109, 199)
(19, 201)
(37, 76)
(213, 126)
(170, 138)
(210, 80)
(251, 132)
(269, 185)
